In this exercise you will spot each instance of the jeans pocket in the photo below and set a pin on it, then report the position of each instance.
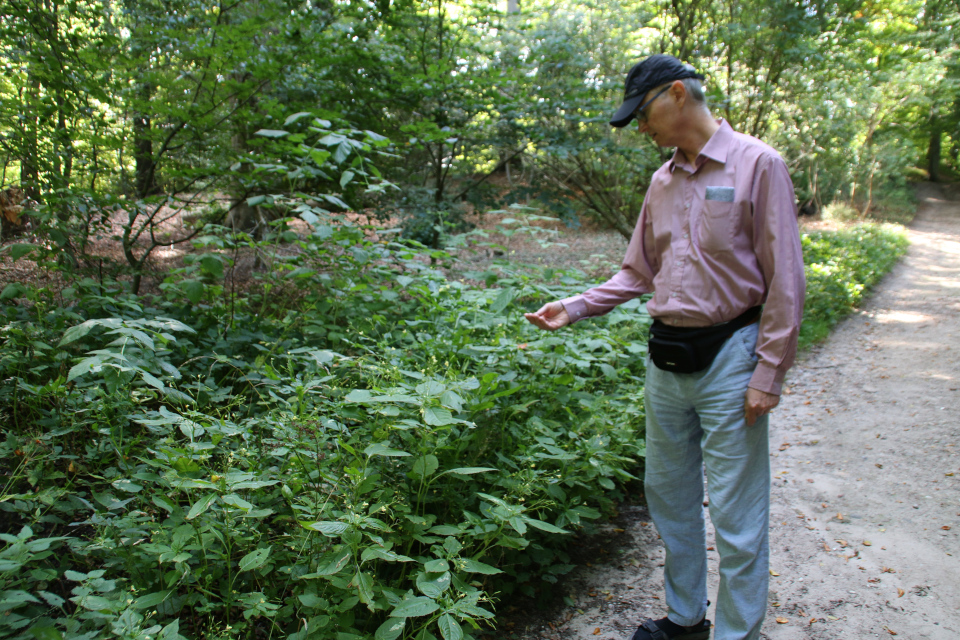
(747, 341)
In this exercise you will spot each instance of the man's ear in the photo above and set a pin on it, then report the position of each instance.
(678, 91)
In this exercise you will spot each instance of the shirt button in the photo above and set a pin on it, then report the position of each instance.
(686, 235)
(679, 263)
(578, 314)
(686, 206)
(673, 295)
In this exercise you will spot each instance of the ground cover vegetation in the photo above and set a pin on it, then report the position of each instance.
(249, 389)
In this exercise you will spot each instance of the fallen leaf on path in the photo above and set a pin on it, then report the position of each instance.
(867, 543)
(773, 573)
(596, 631)
(948, 475)
(873, 579)
(945, 527)
(782, 621)
(842, 543)
(832, 618)
(839, 516)
(619, 530)
(878, 465)
(609, 598)
(900, 592)
(826, 547)
(889, 570)
(890, 631)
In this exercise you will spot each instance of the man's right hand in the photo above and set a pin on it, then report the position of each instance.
(550, 317)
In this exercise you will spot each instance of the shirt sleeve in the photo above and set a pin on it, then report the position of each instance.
(779, 254)
(634, 279)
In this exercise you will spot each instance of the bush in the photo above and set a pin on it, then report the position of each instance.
(356, 447)
(841, 267)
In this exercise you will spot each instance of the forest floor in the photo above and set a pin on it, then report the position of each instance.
(865, 454)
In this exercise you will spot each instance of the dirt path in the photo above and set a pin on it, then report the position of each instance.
(865, 451)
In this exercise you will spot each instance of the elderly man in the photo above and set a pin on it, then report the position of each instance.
(716, 242)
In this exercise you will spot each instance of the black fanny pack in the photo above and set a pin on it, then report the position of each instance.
(688, 350)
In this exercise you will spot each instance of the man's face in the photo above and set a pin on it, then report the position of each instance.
(656, 119)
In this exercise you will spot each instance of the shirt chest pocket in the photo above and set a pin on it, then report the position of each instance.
(719, 220)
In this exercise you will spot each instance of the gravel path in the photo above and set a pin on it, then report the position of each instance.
(865, 451)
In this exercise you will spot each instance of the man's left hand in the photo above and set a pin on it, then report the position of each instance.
(758, 403)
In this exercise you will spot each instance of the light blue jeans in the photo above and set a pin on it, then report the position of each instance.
(696, 420)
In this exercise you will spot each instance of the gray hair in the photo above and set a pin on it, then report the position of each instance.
(695, 90)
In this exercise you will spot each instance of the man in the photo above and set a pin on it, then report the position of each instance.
(716, 238)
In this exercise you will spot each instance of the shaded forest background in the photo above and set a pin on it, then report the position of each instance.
(356, 435)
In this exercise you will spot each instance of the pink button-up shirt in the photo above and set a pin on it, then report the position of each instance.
(713, 240)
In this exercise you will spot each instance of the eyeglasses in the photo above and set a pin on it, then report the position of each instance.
(640, 113)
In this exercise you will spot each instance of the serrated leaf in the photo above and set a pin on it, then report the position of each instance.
(254, 559)
(414, 607)
(336, 563)
(201, 505)
(433, 585)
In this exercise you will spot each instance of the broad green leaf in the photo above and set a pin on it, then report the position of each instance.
(46, 633)
(201, 505)
(436, 566)
(450, 628)
(272, 133)
(346, 178)
(414, 607)
(151, 380)
(336, 563)
(438, 416)
(543, 526)
(12, 291)
(433, 585)
(380, 449)
(254, 559)
(19, 250)
(468, 471)
(431, 388)
(151, 599)
(359, 395)
(291, 119)
(371, 553)
(473, 566)
(193, 289)
(426, 466)
(504, 298)
(364, 585)
(234, 500)
(76, 332)
(327, 528)
(391, 629)
(403, 281)
(164, 502)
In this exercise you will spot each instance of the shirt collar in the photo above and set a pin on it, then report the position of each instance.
(715, 149)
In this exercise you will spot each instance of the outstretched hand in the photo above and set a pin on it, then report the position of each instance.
(550, 317)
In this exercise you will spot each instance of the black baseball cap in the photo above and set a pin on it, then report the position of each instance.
(647, 74)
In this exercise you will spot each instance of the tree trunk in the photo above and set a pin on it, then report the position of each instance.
(30, 155)
(146, 183)
(933, 151)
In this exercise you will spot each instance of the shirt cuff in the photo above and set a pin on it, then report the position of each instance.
(576, 308)
(767, 379)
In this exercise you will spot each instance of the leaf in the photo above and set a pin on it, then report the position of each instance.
(337, 563)
(436, 566)
(327, 528)
(76, 332)
(433, 585)
(450, 628)
(430, 389)
(403, 281)
(544, 526)
(426, 466)
(364, 584)
(272, 133)
(469, 471)
(782, 620)
(201, 505)
(371, 553)
(504, 298)
(900, 592)
(774, 573)
(151, 599)
(46, 633)
(291, 119)
(391, 629)
(193, 289)
(346, 178)
(473, 566)
(254, 559)
(19, 250)
(438, 416)
(380, 449)
(359, 395)
(414, 607)
(12, 290)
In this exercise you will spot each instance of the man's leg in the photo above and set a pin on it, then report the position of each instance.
(673, 484)
(738, 479)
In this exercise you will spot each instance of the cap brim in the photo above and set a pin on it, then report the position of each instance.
(625, 113)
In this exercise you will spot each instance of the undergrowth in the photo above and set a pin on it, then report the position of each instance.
(355, 447)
